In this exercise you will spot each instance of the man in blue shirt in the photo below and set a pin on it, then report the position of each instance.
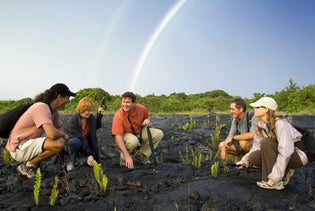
(240, 138)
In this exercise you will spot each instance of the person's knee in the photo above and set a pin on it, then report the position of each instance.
(75, 143)
(132, 143)
(245, 145)
(160, 134)
(59, 145)
(157, 134)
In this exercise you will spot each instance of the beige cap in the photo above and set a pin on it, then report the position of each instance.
(267, 102)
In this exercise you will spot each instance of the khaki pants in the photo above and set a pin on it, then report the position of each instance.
(132, 141)
(266, 157)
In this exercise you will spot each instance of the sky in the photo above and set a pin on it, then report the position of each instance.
(156, 46)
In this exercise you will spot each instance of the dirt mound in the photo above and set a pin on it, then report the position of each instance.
(170, 184)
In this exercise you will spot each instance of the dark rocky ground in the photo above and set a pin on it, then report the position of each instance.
(169, 184)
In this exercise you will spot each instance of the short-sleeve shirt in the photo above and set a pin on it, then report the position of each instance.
(29, 125)
(240, 126)
(121, 123)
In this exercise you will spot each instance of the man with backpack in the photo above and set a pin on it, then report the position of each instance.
(239, 140)
(38, 134)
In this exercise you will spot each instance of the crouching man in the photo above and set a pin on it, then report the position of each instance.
(127, 130)
(38, 134)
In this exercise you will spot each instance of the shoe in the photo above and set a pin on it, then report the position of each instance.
(29, 172)
(288, 176)
(277, 186)
(70, 166)
(142, 158)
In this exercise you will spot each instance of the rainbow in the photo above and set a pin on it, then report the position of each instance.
(152, 41)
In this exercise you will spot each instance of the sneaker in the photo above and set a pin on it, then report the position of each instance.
(29, 172)
(288, 176)
(70, 166)
(142, 158)
(277, 186)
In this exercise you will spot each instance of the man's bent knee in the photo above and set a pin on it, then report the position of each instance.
(54, 145)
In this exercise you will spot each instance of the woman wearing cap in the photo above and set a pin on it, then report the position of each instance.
(273, 147)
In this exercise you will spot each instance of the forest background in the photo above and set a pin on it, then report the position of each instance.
(291, 100)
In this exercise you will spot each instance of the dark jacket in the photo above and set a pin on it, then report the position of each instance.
(73, 129)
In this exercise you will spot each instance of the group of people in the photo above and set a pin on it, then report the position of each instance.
(263, 138)
(40, 134)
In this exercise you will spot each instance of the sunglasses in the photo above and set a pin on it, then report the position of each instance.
(260, 107)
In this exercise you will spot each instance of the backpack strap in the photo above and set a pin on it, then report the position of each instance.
(249, 116)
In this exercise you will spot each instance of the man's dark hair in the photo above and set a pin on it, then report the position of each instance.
(240, 103)
(130, 95)
(51, 94)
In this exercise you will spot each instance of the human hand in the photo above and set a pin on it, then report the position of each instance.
(129, 162)
(101, 109)
(228, 141)
(90, 160)
(241, 164)
(147, 122)
(66, 138)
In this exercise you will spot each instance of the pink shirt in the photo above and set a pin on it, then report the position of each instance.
(29, 126)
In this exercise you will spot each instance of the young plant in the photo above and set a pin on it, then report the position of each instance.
(6, 156)
(215, 138)
(184, 159)
(37, 186)
(190, 125)
(54, 192)
(232, 158)
(197, 158)
(160, 159)
(175, 204)
(215, 169)
(100, 177)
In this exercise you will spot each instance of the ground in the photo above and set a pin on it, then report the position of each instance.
(172, 183)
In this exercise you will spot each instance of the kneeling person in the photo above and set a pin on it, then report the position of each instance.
(240, 138)
(27, 143)
(81, 129)
(127, 129)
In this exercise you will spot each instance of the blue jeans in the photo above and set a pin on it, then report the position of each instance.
(72, 148)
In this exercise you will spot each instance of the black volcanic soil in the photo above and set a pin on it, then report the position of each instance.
(169, 184)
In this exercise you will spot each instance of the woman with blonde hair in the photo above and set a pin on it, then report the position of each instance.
(273, 147)
(81, 128)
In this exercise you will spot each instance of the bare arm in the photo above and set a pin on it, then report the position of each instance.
(54, 133)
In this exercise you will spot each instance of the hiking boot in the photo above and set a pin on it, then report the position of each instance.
(70, 166)
(24, 170)
(276, 186)
(142, 158)
(288, 176)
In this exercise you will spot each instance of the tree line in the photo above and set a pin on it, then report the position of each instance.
(292, 100)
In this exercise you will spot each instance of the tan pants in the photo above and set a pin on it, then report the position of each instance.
(132, 142)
